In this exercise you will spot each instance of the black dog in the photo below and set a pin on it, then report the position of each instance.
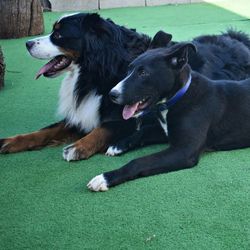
(225, 56)
(201, 114)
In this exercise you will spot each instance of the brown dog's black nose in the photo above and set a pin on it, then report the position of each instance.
(29, 44)
(114, 95)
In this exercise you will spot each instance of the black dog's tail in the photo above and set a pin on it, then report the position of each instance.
(238, 35)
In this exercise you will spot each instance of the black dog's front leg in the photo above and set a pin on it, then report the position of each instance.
(186, 144)
(172, 159)
(147, 135)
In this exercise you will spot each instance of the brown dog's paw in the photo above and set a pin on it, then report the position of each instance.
(2, 146)
(16, 144)
(1, 142)
(8, 145)
(75, 153)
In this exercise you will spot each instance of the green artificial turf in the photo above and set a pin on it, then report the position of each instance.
(44, 202)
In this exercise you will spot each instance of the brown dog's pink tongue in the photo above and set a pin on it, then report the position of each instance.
(129, 110)
(46, 67)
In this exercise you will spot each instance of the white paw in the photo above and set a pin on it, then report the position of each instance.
(69, 153)
(113, 150)
(98, 183)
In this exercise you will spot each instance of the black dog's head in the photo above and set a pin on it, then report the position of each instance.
(151, 77)
(73, 36)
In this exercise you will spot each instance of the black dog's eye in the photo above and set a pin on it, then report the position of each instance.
(57, 35)
(142, 72)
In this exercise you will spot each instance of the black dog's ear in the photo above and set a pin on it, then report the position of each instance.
(161, 39)
(179, 57)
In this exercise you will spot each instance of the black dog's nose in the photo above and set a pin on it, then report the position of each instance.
(29, 44)
(114, 95)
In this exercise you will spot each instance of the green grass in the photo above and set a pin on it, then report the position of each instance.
(44, 203)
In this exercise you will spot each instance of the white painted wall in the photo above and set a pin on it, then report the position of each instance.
(108, 4)
(75, 5)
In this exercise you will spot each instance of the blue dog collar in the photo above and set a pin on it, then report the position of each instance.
(178, 95)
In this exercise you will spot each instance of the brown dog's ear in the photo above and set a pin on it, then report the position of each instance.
(93, 23)
(179, 57)
(161, 39)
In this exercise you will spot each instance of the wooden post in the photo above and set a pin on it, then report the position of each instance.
(46, 5)
(2, 69)
(20, 18)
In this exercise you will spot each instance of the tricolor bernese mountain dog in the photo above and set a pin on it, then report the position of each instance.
(94, 54)
(199, 115)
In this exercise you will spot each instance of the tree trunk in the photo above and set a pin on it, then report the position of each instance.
(19, 18)
(2, 69)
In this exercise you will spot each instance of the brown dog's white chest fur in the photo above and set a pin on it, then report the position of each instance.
(86, 115)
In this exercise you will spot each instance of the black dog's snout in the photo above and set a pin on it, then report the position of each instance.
(29, 44)
(114, 95)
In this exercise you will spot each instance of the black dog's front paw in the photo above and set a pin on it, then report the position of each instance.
(126, 144)
(115, 150)
(98, 183)
(120, 147)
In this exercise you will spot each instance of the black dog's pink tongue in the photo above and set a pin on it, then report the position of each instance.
(47, 67)
(129, 111)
